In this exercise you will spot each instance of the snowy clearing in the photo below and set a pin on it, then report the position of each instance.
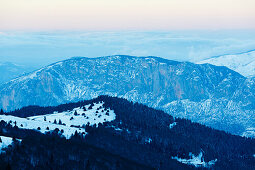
(68, 121)
(80, 116)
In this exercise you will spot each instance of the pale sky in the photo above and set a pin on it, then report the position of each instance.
(104, 15)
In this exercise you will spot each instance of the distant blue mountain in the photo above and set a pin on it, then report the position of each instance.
(9, 71)
(208, 94)
(243, 63)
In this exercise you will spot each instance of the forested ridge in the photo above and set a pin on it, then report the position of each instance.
(139, 138)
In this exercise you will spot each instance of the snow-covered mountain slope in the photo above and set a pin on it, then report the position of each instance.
(243, 63)
(215, 96)
(67, 122)
(80, 116)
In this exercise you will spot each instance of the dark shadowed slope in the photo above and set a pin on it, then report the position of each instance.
(139, 134)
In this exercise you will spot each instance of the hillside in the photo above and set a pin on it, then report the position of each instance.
(146, 137)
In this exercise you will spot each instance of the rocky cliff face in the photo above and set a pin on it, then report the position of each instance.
(215, 96)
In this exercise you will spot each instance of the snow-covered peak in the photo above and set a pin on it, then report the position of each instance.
(243, 63)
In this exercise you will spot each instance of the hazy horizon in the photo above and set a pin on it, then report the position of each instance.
(43, 48)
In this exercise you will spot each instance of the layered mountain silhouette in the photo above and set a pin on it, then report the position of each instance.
(212, 95)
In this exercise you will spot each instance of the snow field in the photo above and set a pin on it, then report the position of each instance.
(68, 121)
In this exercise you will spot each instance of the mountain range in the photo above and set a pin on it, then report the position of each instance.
(212, 95)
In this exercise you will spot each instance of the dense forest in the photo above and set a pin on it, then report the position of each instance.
(50, 151)
(139, 138)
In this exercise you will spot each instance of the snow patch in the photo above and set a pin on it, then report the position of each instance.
(149, 140)
(172, 125)
(6, 141)
(179, 72)
(43, 127)
(197, 161)
(249, 132)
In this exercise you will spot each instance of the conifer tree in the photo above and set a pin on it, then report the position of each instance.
(14, 139)
(75, 113)
(1, 112)
(87, 165)
(84, 108)
(8, 167)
